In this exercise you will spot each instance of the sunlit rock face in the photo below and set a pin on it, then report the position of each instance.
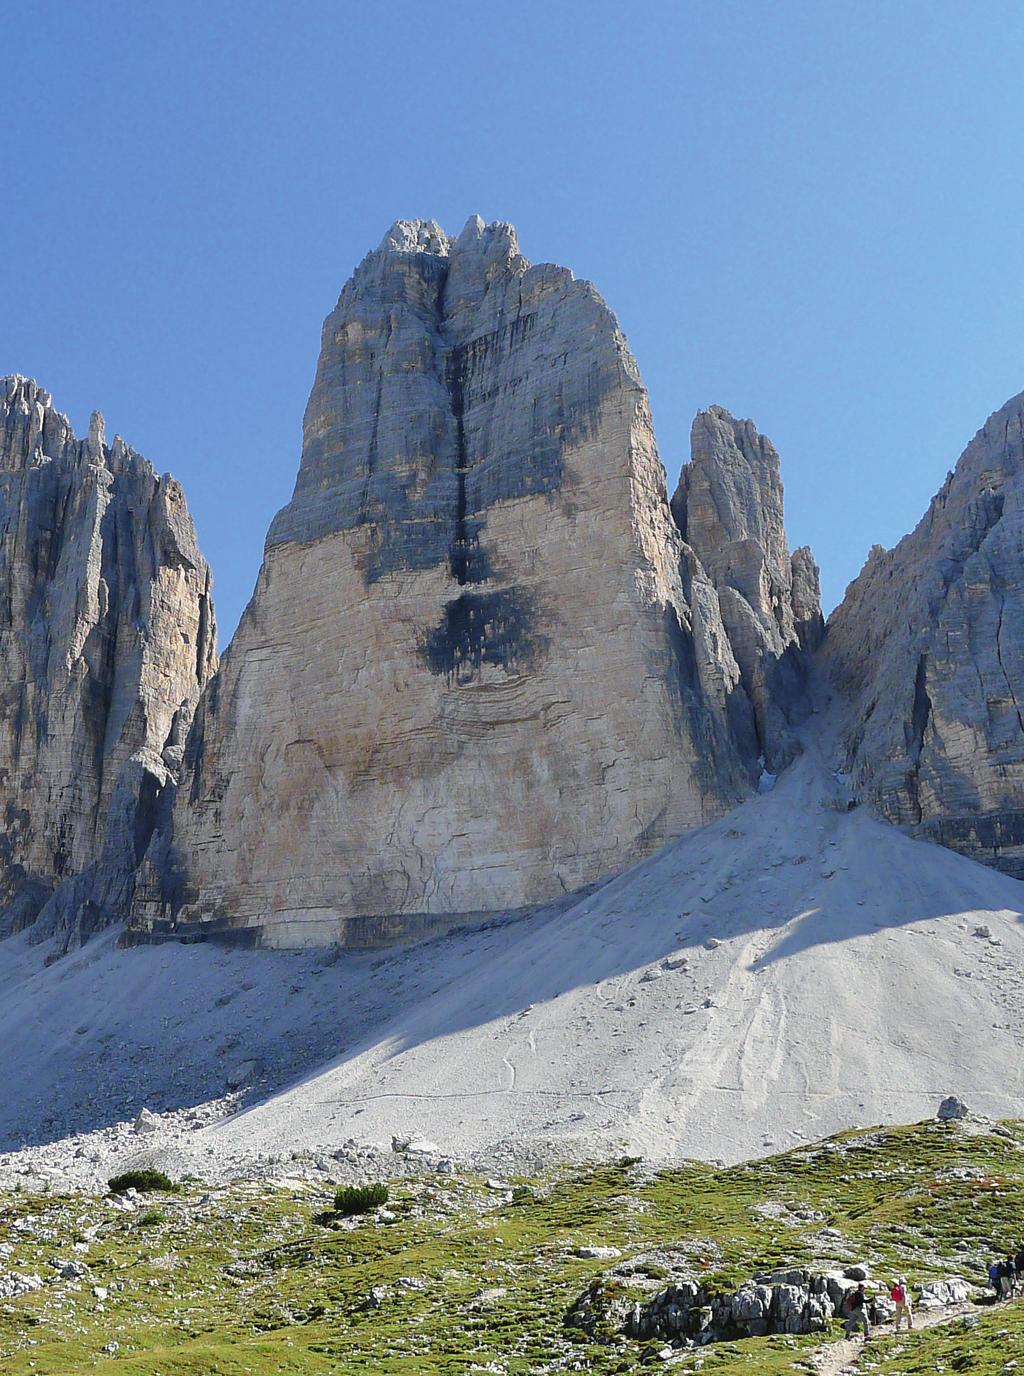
(469, 679)
(106, 638)
(729, 508)
(928, 647)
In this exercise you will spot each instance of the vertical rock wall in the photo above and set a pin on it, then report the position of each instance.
(928, 647)
(470, 678)
(107, 636)
(729, 508)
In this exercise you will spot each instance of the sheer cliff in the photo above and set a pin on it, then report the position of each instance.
(928, 647)
(486, 663)
(729, 508)
(480, 668)
(107, 637)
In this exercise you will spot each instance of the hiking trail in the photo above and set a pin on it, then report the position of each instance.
(843, 1358)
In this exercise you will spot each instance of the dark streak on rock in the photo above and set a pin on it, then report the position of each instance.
(480, 628)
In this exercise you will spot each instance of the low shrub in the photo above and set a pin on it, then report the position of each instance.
(144, 1181)
(359, 1199)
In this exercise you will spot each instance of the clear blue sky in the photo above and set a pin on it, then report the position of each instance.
(811, 213)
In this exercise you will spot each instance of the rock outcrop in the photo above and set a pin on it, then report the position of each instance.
(687, 1312)
(928, 647)
(480, 667)
(728, 506)
(106, 639)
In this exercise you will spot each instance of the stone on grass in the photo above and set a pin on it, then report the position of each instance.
(952, 1108)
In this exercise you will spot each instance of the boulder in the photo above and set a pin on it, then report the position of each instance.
(882, 1309)
(147, 1122)
(15, 1284)
(415, 1145)
(240, 1074)
(952, 1108)
(940, 1294)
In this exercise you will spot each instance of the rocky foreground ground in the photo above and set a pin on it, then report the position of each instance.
(572, 1270)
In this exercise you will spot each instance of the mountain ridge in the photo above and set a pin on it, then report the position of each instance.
(480, 577)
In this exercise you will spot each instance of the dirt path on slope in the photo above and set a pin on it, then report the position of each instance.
(844, 1357)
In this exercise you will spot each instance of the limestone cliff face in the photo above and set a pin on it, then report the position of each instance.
(106, 639)
(470, 678)
(928, 646)
(729, 508)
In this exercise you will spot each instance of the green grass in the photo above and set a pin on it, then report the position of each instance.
(981, 1351)
(241, 1279)
(350, 1200)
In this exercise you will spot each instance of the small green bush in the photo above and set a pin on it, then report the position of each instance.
(144, 1181)
(359, 1199)
(151, 1218)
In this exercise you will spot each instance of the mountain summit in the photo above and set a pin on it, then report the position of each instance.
(487, 664)
(107, 637)
(481, 668)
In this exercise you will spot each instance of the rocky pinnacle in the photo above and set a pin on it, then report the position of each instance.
(107, 637)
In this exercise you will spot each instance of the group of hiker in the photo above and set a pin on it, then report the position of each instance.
(856, 1308)
(1006, 1274)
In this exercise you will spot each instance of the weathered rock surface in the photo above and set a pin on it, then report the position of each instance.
(729, 508)
(928, 647)
(471, 677)
(106, 638)
(688, 1312)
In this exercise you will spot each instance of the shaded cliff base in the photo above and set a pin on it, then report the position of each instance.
(790, 970)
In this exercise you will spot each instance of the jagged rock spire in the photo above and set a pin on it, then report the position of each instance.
(729, 507)
(107, 636)
(469, 678)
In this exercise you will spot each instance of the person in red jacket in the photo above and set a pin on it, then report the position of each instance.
(900, 1296)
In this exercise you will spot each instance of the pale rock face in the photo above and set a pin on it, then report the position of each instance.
(469, 679)
(729, 508)
(106, 638)
(808, 621)
(928, 647)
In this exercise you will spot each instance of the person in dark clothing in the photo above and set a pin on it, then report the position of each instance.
(1007, 1278)
(856, 1310)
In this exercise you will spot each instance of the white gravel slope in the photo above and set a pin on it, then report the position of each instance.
(847, 987)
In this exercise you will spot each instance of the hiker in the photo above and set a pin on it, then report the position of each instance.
(1018, 1262)
(900, 1296)
(1007, 1276)
(856, 1310)
(995, 1277)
